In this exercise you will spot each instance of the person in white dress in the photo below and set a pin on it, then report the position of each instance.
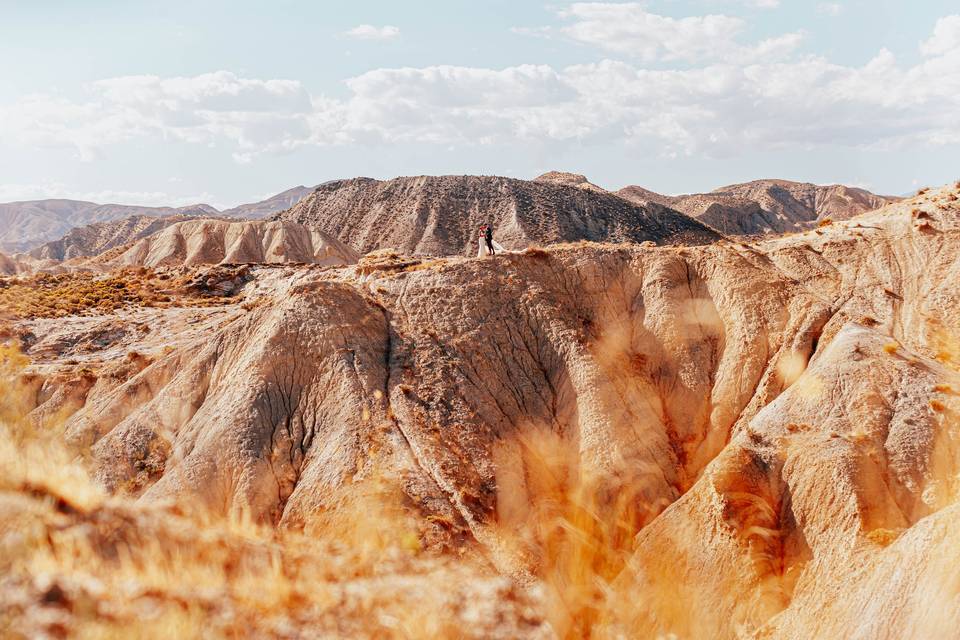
(488, 246)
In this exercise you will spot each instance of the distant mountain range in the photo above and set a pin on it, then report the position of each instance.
(27, 225)
(764, 207)
(439, 214)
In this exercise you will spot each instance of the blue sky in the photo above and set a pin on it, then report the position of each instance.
(226, 102)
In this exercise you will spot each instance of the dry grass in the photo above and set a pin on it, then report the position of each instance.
(883, 537)
(56, 295)
(538, 253)
(571, 525)
(75, 562)
(826, 222)
(48, 295)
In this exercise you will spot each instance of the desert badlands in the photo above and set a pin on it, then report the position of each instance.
(338, 421)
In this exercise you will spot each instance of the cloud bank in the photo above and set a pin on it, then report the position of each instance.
(728, 97)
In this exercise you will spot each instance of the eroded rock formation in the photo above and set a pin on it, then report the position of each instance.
(211, 241)
(440, 215)
(766, 207)
(781, 415)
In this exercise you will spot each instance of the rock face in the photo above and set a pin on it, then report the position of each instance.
(781, 416)
(766, 206)
(221, 241)
(440, 215)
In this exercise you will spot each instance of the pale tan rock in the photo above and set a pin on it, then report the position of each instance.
(783, 413)
(212, 241)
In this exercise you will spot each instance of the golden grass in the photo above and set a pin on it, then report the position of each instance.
(76, 562)
(56, 295)
(110, 567)
(572, 525)
(48, 295)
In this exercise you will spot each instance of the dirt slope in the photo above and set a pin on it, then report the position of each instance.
(765, 207)
(780, 418)
(440, 215)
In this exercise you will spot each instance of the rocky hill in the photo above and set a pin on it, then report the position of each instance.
(764, 207)
(99, 237)
(25, 226)
(728, 440)
(212, 241)
(440, 215)
(264, 208)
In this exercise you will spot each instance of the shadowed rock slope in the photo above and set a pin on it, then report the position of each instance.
(440, 215)
(782, 416)
(764, 207)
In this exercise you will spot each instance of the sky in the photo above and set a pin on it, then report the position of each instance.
(227, 102)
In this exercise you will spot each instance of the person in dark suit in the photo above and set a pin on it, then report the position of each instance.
(488, 236)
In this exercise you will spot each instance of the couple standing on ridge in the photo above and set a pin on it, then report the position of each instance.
(487, 246)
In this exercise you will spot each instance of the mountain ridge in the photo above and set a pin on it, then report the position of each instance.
(440, 215)
(767, 206)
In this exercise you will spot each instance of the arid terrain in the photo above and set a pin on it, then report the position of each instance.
(634, 423)
(765, 207)
(58, 228)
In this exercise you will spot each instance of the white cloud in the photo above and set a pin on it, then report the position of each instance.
(256, 115)
(719, 108)
(830, 8)
(945, 39)
(370, 32)
(764, 4)
(43, 191)
(628, 28)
